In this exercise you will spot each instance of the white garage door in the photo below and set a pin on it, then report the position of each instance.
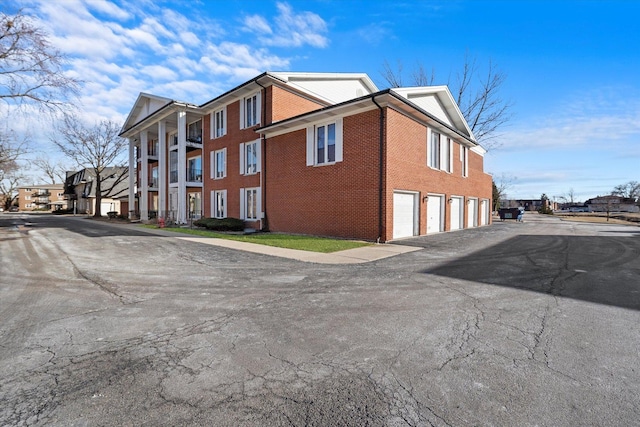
(434, 214)
(456, 213)
(484, 212)
(404, 215)
(472, 213)
(105, 207)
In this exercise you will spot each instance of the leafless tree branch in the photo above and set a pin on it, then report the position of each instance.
(96, 148)
(31, 69)
(477, 95)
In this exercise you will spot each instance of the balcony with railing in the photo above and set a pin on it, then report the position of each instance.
(194, 175)
(173, 141)
(152, 151)
(41, 193)
(194, 135)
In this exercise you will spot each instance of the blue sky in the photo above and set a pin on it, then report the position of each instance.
(573, 67)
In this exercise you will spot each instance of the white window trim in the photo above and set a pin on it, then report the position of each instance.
(464, 159)
(311, 142)
(243, 157)
(243, 103)
(243, 207)
(446, 147)
(214, 199)
(212, 123)
(214, 164)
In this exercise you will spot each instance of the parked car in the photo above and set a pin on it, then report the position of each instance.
(13, 209)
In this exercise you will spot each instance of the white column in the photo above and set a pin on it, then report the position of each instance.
(144, 175)
(162, 168)
(182, 167)
(132, 178)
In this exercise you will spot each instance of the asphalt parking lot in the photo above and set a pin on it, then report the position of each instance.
(528, 324)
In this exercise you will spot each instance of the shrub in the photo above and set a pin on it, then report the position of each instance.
(63, 211)
(220, 224)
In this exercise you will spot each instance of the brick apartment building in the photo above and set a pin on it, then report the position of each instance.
(313, 153)
(43, 197)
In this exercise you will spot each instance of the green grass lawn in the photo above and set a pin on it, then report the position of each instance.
(289, 241)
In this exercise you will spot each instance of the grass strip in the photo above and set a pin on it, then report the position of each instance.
(280, 240)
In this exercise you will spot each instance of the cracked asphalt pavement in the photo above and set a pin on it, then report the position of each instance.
(532, 324)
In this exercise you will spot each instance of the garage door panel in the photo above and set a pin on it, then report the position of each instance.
(434, 214)
(404, 215)
(456, 213)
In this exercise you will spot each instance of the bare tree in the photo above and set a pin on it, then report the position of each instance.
(629, 190)
(95, 148)
(477, 93)
(571, 196)
(500, 187)
(31, 70)
(10, 178)
(11, 150)
(55, 171)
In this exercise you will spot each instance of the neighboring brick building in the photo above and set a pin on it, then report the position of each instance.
(313, 153)
(44, 197)
(80, 190)
(612, 203)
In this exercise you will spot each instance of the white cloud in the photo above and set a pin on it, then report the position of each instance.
(108, 8)
(257, 23)
(292, 29)
(585, 123)
(159, 72)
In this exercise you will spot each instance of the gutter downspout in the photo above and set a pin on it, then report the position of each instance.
(381, 169)
(264, 223)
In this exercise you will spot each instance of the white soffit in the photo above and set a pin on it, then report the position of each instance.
(150, 106)
(331, 87)
(437, 101)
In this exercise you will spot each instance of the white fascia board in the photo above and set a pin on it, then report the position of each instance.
(324, 115)
(479, 150)
(139, 104)
(445, 97)
(297, 81)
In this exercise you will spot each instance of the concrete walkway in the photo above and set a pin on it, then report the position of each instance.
(349, 256)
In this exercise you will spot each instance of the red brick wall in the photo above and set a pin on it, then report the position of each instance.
(285, 104)
(332, 200)
(278, 104)
(342, 199)
(407, 170)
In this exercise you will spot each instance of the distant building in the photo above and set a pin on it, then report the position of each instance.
(80, 190)
(612, 203)
(42, 197)
(532, 205)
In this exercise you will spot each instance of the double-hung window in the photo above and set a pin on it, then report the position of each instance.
(219, 203)
(324, 143)
(250, 111)
(219, 164)
(173, 167)
(464, 159)
(446, 148)
(194, 169)
(219, 123)
(250, 157)
(433, 155)
(250, 204)
(439, 151)
(154, 177)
